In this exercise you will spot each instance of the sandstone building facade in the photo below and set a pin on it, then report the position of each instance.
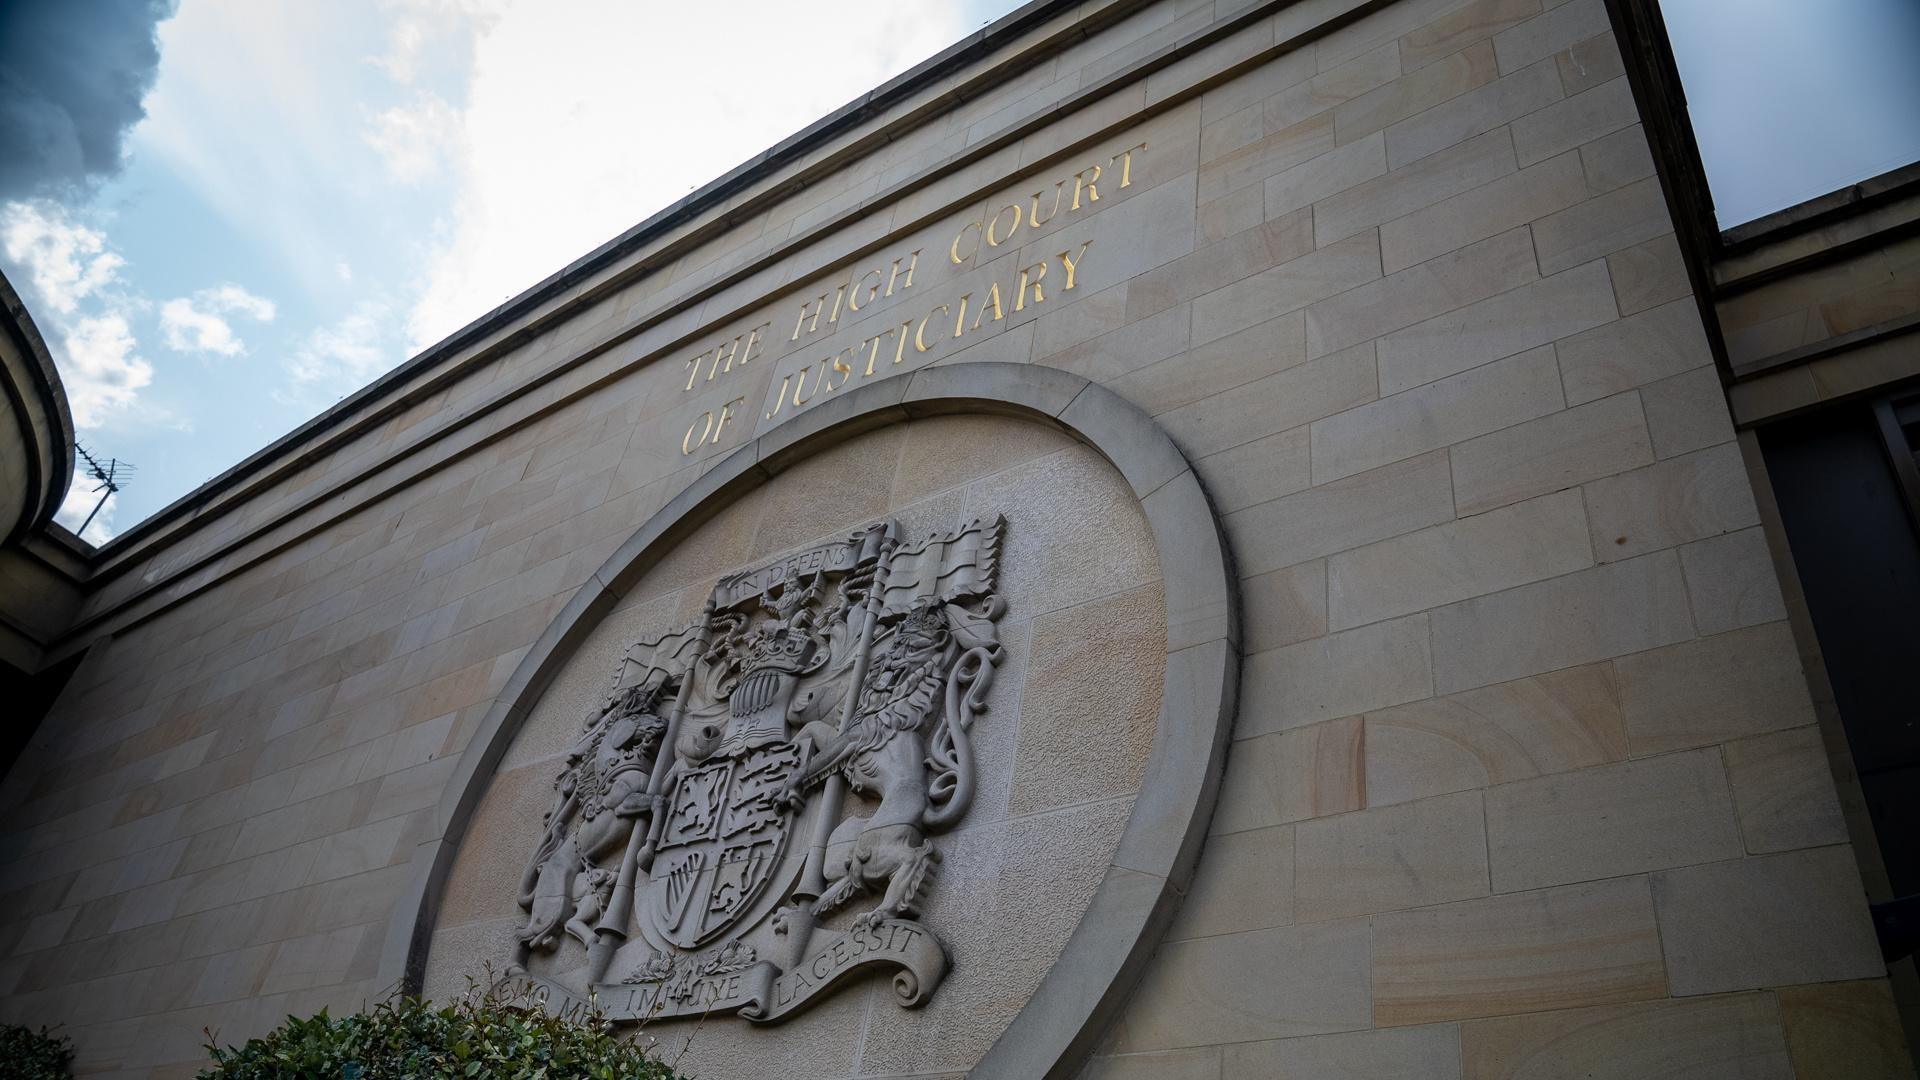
(1180, 538)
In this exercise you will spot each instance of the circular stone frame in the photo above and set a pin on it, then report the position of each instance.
(1082, 993)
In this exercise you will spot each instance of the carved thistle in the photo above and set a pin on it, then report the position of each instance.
(750, 817)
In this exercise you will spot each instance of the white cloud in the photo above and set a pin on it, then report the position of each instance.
(67, 261)
(71, 267)
(336, 360)
(233, 298)
(415, 27)
(344, 271)
(413, 140)
(79, 503)
(197, 324)
(566, 141)
(189, 329)
(101, 373)
(404, 41)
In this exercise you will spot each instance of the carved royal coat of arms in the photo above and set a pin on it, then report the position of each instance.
(750, 817)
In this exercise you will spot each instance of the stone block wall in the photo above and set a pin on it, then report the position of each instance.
(1525, 778)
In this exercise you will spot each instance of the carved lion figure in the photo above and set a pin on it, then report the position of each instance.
(596, 799)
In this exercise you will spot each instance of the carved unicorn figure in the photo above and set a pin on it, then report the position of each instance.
(908, 746)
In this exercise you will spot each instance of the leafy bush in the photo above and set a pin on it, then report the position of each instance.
(26, 1054)
(484, 1034)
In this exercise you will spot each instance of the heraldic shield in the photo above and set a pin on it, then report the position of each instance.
(726, 832)
(752, 778)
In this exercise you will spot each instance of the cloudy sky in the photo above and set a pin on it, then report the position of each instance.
(226, 215)
(316, 192)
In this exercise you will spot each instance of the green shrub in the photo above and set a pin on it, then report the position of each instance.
(483, 1035)
(26, 1054)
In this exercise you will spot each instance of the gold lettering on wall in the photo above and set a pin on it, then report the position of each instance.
(920, 335)
(740, 350)
(706, 427)
(1072, 263)
(849, 294)
(1125, 158)
(1037, 270)
(831, 373)
(1005, 222)
(1000, 227)
(954, 252)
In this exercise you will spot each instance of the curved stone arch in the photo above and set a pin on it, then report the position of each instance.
(1154, 860)
(36, 424)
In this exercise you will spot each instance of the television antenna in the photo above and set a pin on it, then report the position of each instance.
(112, 477)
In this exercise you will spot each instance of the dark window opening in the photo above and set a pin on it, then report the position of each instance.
(1847, 481)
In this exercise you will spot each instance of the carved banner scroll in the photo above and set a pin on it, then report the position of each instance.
(758, 990)
(748, 818)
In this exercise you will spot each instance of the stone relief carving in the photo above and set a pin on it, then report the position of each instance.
(751, 815)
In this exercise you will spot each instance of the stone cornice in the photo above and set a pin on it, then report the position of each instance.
(1159, 79)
